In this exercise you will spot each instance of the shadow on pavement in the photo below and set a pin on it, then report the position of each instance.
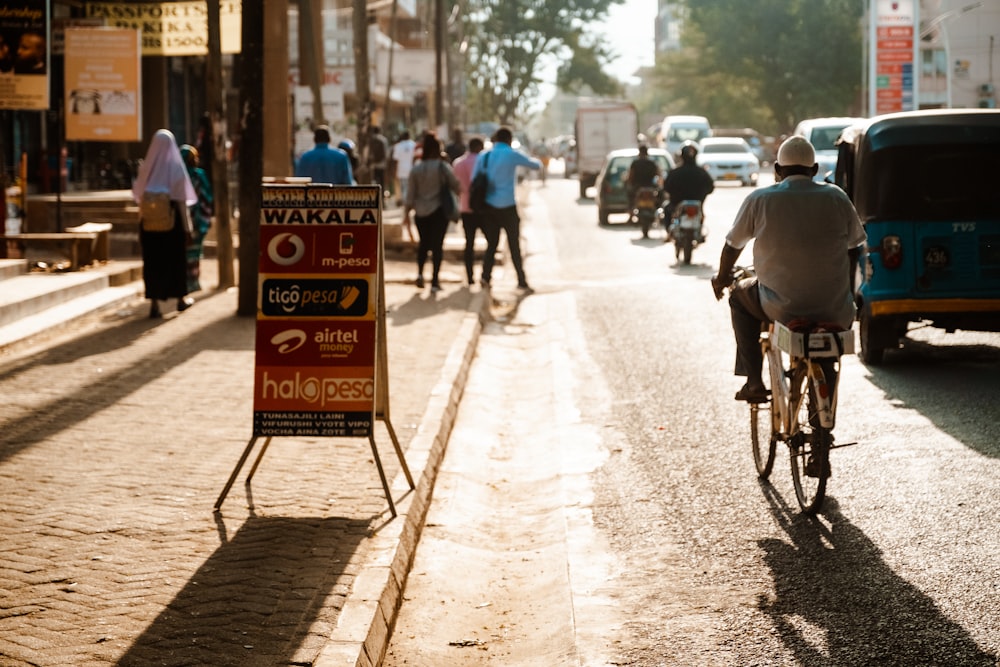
(934, 381)
(107, 388)
(837, 602)
(268, 587)
(424, 303)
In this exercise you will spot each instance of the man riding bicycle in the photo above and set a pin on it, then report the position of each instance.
(807, 240)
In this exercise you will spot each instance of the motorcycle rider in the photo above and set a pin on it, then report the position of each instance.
(643, 172)
(688, 181)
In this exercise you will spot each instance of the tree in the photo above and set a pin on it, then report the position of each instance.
(511, 40)
(786, 59)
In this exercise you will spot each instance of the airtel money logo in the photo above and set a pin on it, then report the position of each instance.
(286, 249)
(289, 340)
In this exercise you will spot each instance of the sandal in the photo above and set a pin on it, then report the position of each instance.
(753, 394)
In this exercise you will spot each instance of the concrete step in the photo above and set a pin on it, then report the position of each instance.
(9, 268)
(38, 302)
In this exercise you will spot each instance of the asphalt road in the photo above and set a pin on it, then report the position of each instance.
(598, 503)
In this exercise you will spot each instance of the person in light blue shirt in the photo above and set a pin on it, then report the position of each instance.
(501, 163)
(324, 163)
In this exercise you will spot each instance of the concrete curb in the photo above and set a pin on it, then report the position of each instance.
(361, 637)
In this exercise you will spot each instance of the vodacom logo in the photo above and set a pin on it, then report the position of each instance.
(286, 249)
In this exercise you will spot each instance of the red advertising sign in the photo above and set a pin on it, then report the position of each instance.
(316, 314)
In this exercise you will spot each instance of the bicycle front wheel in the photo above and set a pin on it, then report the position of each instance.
(809, 450)
(762, 430)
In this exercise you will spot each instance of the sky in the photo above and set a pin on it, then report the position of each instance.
(630, 34)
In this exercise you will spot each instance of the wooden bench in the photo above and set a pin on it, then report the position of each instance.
(81, 248)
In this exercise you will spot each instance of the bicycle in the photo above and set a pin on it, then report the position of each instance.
(802, 406)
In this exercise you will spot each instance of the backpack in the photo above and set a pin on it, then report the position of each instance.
(376, 150)
(478, 188)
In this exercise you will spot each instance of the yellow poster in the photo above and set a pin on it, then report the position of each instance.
(173, 28)
(103, 84)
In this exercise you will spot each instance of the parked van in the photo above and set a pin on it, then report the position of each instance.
(675, 130)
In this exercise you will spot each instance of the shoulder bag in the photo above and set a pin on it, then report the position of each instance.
(449, 201)
(478, 187)
(155, 212)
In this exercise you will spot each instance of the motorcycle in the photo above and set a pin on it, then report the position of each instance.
(647, 208)
(686, 228)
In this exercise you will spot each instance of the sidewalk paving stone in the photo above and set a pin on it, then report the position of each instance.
(114, 446)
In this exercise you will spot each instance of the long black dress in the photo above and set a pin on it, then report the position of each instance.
(164, 260)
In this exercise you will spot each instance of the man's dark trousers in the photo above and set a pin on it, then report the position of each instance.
(508, 220)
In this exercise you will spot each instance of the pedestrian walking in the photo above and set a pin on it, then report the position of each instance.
(501, 163)
(378, 155)
(201, 214)
(428, 184)
(348, 146)
(402, 157)
(471, 220)
(324, 163)
(456, 148)
(164, 192)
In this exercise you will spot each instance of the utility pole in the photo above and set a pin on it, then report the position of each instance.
(438, 51)
(251, 165)
(360, 26)
(215, 94)
(311, 58)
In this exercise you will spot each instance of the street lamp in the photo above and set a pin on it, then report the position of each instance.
(939, 20)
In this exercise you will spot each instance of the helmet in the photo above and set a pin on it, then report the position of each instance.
(346, 145)
(689, 150)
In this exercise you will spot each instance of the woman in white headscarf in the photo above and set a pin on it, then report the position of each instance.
(164, 261)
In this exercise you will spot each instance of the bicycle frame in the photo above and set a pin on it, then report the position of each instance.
(787, 389)
(802, 408)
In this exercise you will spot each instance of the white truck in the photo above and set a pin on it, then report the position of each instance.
(602, 127)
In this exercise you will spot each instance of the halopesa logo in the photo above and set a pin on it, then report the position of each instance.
(330, 297)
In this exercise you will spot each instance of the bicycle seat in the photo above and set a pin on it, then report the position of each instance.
(810, 326)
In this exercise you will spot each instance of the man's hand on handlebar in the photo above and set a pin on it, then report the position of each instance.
(719, 285)
(724, 278)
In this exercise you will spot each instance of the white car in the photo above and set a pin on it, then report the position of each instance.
(823, 133)
(729, 159)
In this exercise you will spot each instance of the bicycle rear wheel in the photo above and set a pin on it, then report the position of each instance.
(762, 431)
(809, 451)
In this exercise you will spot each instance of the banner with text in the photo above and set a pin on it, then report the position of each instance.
(316, 313)
(893, 76)
(173, 28)
(103, 84)
(24, 55)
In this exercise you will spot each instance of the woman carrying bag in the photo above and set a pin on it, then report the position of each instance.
(430, 195)
(164, 192)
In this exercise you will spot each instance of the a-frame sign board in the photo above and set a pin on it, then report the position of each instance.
(321, 363)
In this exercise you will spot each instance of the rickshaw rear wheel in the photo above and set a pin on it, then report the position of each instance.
(872, 353)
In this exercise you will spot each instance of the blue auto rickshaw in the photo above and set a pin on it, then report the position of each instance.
(926, 185)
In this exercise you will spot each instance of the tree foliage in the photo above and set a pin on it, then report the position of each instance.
(511, 40)
(766, 62)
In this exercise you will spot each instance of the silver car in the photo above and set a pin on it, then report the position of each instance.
(729, 159)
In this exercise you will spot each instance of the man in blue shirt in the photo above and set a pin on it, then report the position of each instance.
(501, 163)
(323, 163)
